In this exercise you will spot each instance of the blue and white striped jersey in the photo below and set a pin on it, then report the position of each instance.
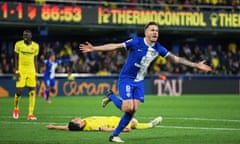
(139, 57)
(51, 67)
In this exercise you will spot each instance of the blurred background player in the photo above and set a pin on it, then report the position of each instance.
(103, 123)
(49, 74)
(26, 52)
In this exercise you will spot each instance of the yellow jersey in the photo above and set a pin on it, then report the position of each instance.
(95, 122)
(26, 54)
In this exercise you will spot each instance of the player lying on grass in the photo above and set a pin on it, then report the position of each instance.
(103, 123)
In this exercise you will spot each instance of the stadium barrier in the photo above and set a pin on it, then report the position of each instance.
(93, 85)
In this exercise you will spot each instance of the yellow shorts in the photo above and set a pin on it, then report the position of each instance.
(27, 80)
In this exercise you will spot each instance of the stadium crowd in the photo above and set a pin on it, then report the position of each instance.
(225, 59)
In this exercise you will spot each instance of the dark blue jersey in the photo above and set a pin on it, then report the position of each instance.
(139, 57)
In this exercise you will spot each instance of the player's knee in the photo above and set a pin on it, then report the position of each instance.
(31, 88)
(129, 107)
(19, 92)
(133, 111)
(52, 90)
(129, 110)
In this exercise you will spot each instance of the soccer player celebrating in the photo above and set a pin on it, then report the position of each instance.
(49, 75)
(26, 52)
(103, 123)
(142, 51)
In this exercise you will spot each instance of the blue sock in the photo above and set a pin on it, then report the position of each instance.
(47, 94)
(126, 118)
(117, 102)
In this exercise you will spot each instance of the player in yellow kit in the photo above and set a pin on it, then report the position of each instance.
(26, 52)
(103, 123)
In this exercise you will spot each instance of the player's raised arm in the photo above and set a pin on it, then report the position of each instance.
(88, 47)
(200, 65)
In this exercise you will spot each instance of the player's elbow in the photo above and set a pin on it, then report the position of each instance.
(173, 58)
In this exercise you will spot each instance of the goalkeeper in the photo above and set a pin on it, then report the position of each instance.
(103, 123)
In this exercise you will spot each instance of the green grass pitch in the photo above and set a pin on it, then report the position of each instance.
(188, 119)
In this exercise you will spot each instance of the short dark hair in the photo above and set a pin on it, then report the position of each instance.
(50, 53)
(74, 127)
(27, 31)
(150, 23)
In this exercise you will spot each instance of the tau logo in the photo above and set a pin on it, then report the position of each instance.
(169, 87)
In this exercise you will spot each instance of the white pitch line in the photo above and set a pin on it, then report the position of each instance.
(30, 122)
(202, 119)
(200, 128)
(177, 118)
(71, 117)
(195, 119)
(161, 126)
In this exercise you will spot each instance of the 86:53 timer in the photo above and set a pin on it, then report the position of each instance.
(57, 13)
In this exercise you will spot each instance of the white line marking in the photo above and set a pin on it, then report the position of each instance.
(203, 119)
(177, 118)
(195, 119)
(162, 126)
(30, 122)
(22, 117)
(200, 128)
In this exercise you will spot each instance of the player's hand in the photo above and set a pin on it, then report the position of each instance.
(72, 59)
(86, 47)
(36, 76)
(17, 75)
(38, 83)
(126, 130)
(50, 126)
(203, 66)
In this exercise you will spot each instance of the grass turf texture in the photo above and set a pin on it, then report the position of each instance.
(189, 119)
